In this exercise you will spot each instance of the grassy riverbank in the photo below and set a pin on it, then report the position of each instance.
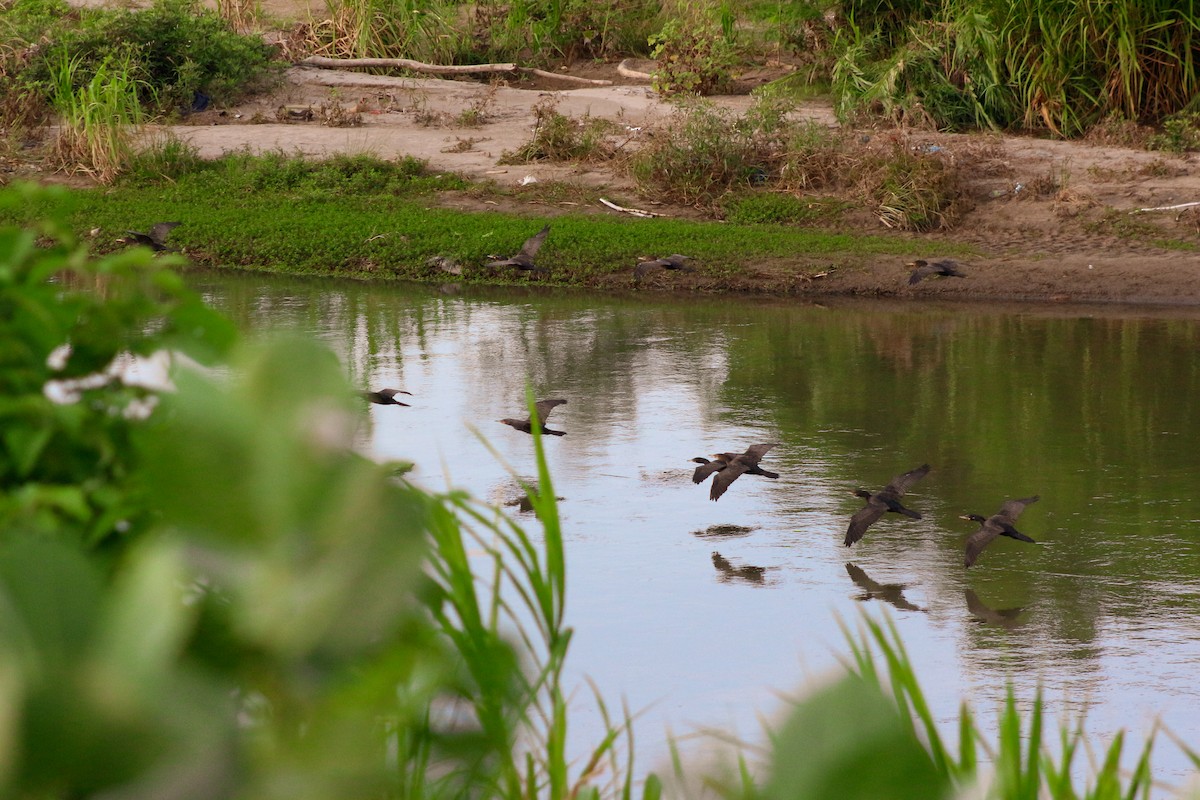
(367, 218)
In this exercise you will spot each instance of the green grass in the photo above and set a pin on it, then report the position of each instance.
(363, 217)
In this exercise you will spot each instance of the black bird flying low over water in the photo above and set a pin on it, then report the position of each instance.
(543, 409)
(998, 524)
(386, 397)
(885, 500)
(673, 261)
(523, 260)
(156, 238)
(728, 467)
(923, 269)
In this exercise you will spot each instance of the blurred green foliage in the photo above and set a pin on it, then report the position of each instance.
(66, 324)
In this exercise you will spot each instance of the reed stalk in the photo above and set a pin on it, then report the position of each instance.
(98, 121)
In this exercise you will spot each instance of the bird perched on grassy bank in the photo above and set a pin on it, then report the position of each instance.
(885, 500)
(386, 397)
(923, 269)
(542, 410)
(998, 524)
(155, 239)
(675, 261)
(523, 260)
(728, 467)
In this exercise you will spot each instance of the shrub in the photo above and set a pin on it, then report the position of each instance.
(178, 52)
(703, 152)
(1180, 133)
(557, 137)
(911, 190)
(67, 467)
(694, 57)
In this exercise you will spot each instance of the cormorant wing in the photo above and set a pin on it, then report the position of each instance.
(979, 540)
(544, 407)
(755, 452)
(1013, 508)
(534, 243)
(705, 469)
(159, 231)
(864, 518)
(733, 470)
(644, 268)
(902, 483)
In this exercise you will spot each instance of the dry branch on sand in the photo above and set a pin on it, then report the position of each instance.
(441, 69)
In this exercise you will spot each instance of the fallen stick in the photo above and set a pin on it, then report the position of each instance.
(440, 69)
(569, 78)
(1165, 208)
(637, 212)
(626, 71)
(404, 63)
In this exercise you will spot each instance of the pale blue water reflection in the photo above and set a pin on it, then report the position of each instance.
(1090, 408)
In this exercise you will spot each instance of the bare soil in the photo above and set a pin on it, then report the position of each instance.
(1046, 220)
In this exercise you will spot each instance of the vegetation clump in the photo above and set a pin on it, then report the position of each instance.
(996, 64)
(703, 152)
(694, 54)
(558, 137)
(179, 54)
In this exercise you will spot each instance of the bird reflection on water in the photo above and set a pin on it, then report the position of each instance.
(1004, 617)
(888, 592)
(728, 572)
(725, 531)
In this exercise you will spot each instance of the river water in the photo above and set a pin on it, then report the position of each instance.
(1091, 408)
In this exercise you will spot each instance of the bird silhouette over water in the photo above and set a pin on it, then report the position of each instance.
(885, 500)
(888, 592)
(386, 397)
(998, 524)
(543, 409)
(728, 467)
(923, 269)
(157, 237)
(523, 260)
(674, 261)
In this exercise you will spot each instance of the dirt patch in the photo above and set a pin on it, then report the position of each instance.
(1049, 220)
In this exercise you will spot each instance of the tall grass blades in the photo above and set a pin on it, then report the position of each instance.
(1056, 65)
(424, 30)
(500, 600)
(98, 120)
(1026, 759)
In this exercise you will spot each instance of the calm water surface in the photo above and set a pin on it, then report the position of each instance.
(1093, 409)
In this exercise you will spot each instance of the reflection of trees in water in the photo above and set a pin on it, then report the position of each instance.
(1093, 414)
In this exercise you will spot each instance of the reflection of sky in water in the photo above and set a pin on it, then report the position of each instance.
(1001, 405)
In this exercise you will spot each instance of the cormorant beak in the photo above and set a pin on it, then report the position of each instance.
(967, 517)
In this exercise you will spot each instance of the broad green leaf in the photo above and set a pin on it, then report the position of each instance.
(847, 741)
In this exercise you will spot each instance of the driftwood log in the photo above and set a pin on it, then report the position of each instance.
(440, 69)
